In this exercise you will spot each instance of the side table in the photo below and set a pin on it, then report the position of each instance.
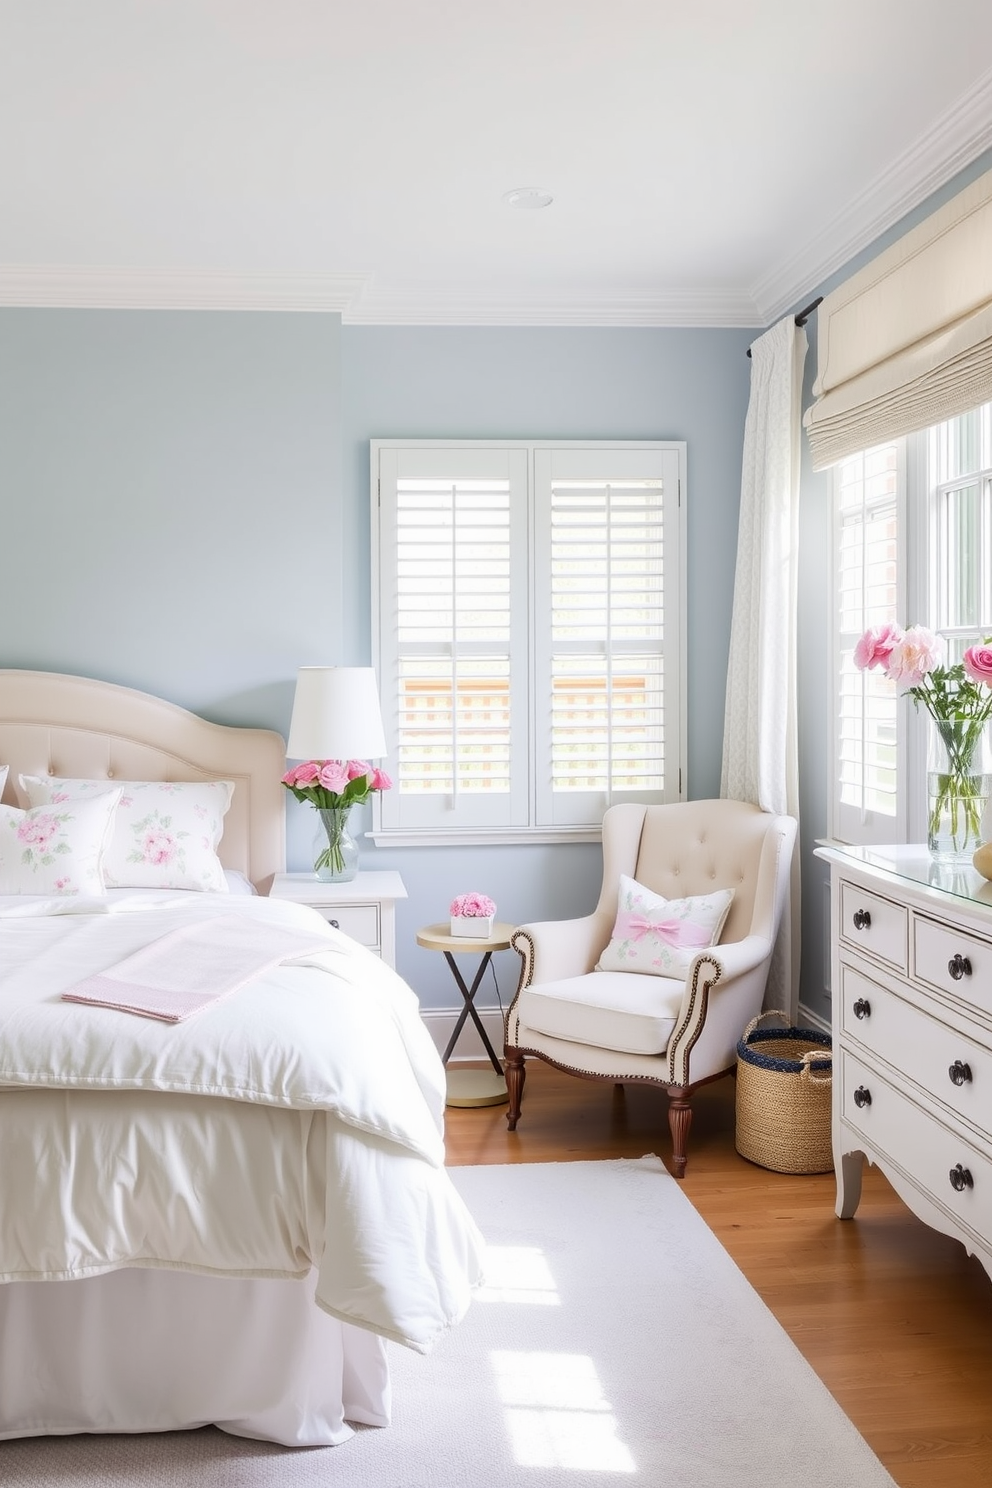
(470, 1087)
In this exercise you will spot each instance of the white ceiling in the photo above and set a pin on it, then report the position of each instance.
(711, 160)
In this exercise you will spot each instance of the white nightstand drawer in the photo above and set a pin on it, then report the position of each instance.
(953, 961)
(360, 921)
(873, 924)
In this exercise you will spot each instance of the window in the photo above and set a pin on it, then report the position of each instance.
(528, 632)
(913, 543)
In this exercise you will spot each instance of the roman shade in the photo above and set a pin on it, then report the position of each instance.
(907, 341)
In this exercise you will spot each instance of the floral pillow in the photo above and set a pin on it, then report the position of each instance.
(662, 936)
(165, 833)
(56, 849)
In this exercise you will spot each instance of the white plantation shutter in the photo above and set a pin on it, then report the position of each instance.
(868, 798)
(450, 622)
(608, 628)
(529, 634)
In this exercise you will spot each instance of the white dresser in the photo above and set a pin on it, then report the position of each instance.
(365, 908)
(912, 1033)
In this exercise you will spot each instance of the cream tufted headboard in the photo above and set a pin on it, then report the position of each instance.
(52, 724)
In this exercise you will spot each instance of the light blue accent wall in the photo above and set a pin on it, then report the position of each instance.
(559, 383)
(170, 503)
(815, 680)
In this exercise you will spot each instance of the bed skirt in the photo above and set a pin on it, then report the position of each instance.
(163, 1350)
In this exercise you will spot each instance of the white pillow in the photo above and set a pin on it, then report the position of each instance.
(165, 833)
(3, 777)
(662, 936)
(56, 849)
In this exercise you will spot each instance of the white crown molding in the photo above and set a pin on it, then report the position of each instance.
(432, 306)
(57, 287)
(958, 137)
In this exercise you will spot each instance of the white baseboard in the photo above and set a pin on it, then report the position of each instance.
(441, 1025)
(809, 1019)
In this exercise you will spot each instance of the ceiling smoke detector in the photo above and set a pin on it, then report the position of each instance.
(529, 197)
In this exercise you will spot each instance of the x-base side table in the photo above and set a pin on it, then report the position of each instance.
(470, 1087)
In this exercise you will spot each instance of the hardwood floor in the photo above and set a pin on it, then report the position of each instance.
(893, 1317)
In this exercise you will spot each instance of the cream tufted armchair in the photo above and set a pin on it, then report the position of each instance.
(629, 1026)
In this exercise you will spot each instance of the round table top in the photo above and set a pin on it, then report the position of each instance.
(439, 938)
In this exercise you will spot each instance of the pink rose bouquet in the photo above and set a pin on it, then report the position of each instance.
(334, 786)
(958, 699)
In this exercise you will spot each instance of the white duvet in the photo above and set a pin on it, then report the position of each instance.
(295, 1124)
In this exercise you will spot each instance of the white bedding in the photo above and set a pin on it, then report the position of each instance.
(297, 1124)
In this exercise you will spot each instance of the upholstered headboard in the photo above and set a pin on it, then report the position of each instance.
(52, 724)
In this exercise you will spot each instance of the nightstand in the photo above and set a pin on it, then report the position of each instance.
(365, 908)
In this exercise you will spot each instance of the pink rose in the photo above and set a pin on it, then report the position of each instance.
(38, 831)
(471, 906)
(977, 662)
(159, 848)
(379, 780)
(307, 773)
(875, 646)
(333, 776)
(357, 767)
(914, 656)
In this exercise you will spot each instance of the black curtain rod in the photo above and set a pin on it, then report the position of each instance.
(804, 314)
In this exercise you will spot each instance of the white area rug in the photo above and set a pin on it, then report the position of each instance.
(617, 1344)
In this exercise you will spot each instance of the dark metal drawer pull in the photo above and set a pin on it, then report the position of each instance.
(862, 919)
(862, 1008)
(862, 1097)
(959, 966)
(960, 1073)
(961, 1179)
(335, 924)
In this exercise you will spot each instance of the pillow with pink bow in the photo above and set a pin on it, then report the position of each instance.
(661, 936)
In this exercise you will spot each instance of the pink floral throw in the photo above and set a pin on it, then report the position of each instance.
(662, 936)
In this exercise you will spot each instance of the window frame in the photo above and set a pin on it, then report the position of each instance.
(672, 456)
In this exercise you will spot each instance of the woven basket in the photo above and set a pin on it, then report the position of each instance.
(783, 1097)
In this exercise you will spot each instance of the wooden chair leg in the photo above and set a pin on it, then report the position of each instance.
(679, 1121)
(513, 1069)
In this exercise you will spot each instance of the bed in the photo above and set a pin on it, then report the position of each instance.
(225, 1219)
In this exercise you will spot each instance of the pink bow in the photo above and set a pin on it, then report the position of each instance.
(673, 931)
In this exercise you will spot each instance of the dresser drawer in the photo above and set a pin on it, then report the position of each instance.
(873, 924)
(359, 921)
(947, 1064)
(919, 1144)
(953, 961)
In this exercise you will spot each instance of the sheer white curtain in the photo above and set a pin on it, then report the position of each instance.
(760, 755)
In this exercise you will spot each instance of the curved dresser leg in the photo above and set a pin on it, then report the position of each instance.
(848, 1169)
(514, 1072)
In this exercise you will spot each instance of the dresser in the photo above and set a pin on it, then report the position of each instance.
(912, 1035)
(365, 908)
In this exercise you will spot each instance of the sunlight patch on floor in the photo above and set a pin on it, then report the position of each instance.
(518, 1273)
(556, 1412)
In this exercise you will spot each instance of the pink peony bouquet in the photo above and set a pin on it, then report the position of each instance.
(471, 907)
(334, 785)
(958, 699)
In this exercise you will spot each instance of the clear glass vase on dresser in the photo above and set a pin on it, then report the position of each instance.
(911, 972)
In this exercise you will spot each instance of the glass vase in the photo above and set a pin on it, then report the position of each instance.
(959, 788)
(335, 851)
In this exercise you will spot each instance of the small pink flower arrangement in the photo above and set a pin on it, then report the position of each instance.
(334, 785)
(472, 916)
(471, 906)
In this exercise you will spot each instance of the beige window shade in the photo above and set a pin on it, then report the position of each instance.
(907, 341)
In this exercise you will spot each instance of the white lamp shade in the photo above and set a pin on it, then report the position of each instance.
(336, 715)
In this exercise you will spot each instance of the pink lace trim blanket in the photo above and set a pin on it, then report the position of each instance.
(177, 974)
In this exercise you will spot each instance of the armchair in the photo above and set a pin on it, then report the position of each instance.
(628, 1026)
